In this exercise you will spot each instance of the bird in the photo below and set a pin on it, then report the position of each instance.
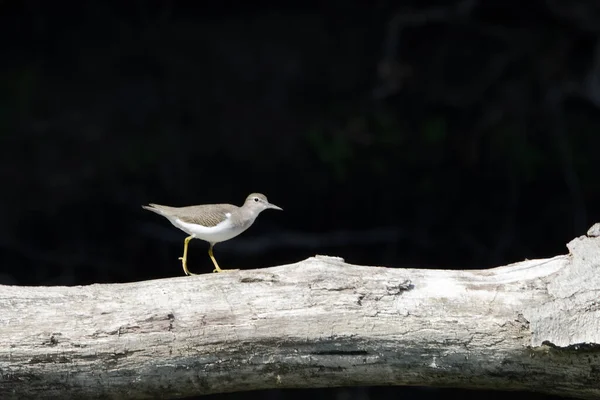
(213, 223)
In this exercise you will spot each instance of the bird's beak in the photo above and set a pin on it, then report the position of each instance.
(274, 207)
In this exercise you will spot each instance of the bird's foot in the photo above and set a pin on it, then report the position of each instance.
(184, 264)
(224, 270)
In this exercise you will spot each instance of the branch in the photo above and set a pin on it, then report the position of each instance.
(533, 325)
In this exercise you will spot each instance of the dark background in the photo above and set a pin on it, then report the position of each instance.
(406, 134)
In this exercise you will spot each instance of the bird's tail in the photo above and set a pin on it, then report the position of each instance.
(156, 208)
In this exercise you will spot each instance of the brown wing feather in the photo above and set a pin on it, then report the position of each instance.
(205, 215)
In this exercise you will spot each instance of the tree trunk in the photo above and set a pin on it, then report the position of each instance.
(533, 325)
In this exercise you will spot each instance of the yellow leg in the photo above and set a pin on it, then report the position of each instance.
(210, 253)
(184, 258)
(217, 269)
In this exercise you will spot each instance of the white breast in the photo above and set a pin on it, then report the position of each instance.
(214, 234)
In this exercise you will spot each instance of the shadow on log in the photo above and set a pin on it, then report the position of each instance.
(533, 325)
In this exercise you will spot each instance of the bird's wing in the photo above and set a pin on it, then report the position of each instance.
(205, 215)
(159, 209)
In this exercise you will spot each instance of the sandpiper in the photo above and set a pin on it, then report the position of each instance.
(213, 223)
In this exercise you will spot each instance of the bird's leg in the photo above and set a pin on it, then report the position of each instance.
(184, 258)
(210, 253)
(217, 269)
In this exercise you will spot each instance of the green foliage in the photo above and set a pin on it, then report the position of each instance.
(333, 149)
(375, 141)
(434, 130)
(515, 152)
(17, 96)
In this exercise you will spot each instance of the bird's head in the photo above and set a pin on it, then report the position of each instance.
(258, 202)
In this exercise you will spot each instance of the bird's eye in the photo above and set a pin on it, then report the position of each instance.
(256, 199)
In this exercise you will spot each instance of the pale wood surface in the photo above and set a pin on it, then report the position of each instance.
(533, 325)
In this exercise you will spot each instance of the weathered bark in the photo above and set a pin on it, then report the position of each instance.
(534, 325)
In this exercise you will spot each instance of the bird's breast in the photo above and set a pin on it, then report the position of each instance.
(219, 233)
